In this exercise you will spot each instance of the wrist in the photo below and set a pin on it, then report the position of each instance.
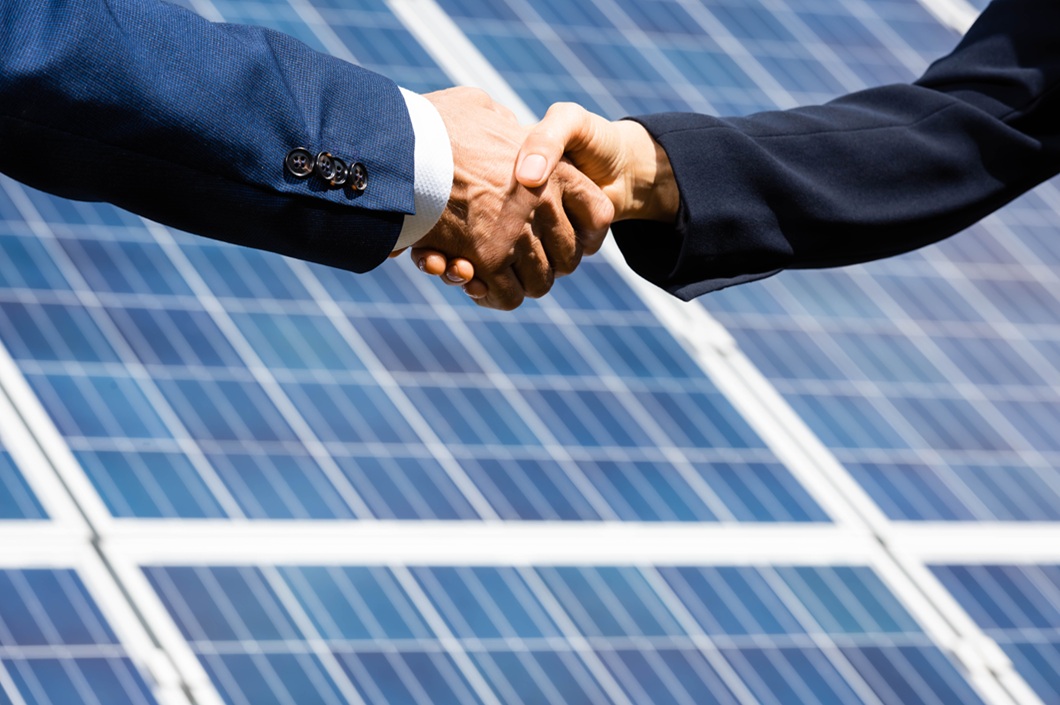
(650, 188)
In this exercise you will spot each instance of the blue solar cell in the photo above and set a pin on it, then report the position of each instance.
(223, 604)
(647, 492)
(272, 679)
(847, 421)
(403, 487)
(700, 419)
(384, 46)
(243, 273)
(52, 332)
(641, 352)
(150, 484)
(667, 676)
(487, 603)
(415, 345)
(611, 602)
(588, 418)
(25, 264)
(597, 289)
(125, 267)
(17, 500)
(731, 601)
(949, 424)
(472, 415)
(46, 607)
(386, 677)
(175, 337)
(531, 348)
(909, 674)
(277, 485)
(225, 410)
(562, 14)
(538, 676)
(298, 341)
(105, 679)
(95, 406)
(711, 68)
(989, 360)
(356, 604)
(755, 22)
(531, 490)
(792, 675)
(760, 492)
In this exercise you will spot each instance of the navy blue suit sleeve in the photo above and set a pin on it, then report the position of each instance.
(150, 107)
(869, 175)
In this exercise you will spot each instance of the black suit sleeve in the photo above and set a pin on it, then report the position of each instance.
(869, 175)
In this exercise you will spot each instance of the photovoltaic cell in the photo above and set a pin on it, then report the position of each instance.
(57, 648)
(556, 634)
(17, 500)
(1016, 606)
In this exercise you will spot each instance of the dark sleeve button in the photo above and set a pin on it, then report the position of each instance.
(358, 177)
(325, 166)
(341, 173)
(299, 162)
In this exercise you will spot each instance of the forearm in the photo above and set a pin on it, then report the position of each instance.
(869, 175)
(147, 106)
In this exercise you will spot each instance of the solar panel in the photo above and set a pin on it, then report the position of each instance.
(231, 423)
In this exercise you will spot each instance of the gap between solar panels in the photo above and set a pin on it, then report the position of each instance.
(750, 392)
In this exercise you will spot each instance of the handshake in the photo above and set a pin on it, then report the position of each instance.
(527, 204)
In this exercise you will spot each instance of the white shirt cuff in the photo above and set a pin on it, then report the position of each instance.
(434, 169)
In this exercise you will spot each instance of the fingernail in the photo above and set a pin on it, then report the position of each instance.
(455, 278)
(422, 264)
(470, 294)
(533, 168)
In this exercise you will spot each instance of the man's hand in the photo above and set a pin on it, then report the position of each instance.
(518, 239)
(620, 157)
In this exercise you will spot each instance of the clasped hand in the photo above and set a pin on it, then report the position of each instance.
(527, 204)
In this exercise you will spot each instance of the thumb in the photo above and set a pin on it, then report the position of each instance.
(565, 125)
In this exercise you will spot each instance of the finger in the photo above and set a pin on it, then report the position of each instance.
(504, 291)
(532, 267)
(459, 271)
(430, 261)
(555, 232)
(589, 209)
(476, 289)
(564, 125)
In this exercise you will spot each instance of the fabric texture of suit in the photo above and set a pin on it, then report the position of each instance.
(869, 175)
(148, 106)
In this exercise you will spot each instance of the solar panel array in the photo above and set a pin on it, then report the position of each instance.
(183, 388)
